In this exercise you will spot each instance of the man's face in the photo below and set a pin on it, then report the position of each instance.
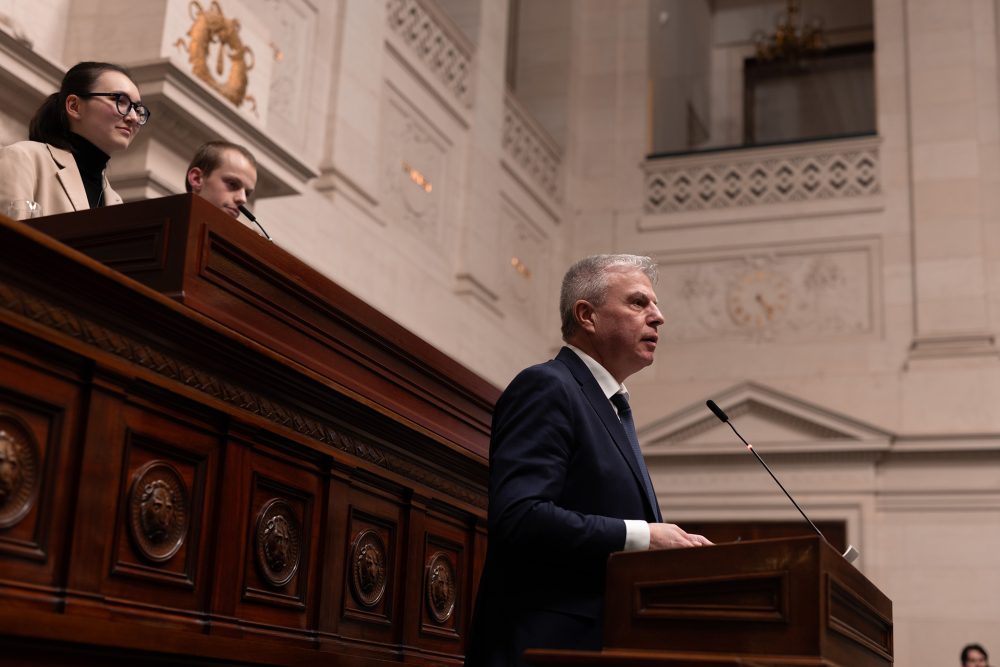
(228, 186)
(975, 658)
(623, 329)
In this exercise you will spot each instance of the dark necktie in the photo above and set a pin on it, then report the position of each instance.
(625, 414)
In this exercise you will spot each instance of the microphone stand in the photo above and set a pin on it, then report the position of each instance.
(852, 552)
(250, 216)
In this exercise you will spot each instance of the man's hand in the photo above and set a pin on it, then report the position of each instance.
(671, 536)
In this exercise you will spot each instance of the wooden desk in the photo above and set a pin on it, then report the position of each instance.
(260, 470)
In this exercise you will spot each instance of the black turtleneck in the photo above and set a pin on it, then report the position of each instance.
(91, 161)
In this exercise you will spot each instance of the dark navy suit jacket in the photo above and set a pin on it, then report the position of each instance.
(562, 478)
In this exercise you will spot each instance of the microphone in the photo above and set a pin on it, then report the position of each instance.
(852, 553)
(250, 216)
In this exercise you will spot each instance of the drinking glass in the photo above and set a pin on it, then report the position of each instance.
(22, 209)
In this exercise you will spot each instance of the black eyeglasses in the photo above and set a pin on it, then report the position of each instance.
(124, 104)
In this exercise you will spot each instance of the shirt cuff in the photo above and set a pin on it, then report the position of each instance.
(636, 535)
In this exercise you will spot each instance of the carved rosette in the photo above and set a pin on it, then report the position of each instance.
(368, 568)
(18, 471)
(440, 587)
(158, 516)
(277, 542)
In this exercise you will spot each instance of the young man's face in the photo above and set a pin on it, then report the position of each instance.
(975, 658)
(228, 186)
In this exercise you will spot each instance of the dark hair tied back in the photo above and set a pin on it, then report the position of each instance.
(50, 123)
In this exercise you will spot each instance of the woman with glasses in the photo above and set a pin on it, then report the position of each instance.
(97, 112)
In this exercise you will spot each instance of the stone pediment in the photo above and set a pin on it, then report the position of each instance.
(770, 420)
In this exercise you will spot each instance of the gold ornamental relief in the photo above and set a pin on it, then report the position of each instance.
(210, 28)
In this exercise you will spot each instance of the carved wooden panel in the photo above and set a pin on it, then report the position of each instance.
(364, 563)
(281, 524)
(204, 499)
(37, 409)
(443, 598)
(371, 564)
(163, 507)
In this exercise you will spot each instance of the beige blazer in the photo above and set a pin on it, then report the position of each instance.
(47, 175)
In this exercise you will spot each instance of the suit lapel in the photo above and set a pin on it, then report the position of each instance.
(69, 177)
(602, 406)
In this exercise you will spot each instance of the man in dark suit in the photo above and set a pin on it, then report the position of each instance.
(568, 485)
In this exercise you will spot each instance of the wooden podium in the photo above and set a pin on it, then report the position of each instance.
(769, 602)
(191, 251)
(212, 454)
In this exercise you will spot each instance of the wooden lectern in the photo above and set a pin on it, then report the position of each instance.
(190, 250)
(212, 454)
(770, 602)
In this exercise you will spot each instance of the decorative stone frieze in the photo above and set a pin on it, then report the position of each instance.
(745, 179)
(787, 292)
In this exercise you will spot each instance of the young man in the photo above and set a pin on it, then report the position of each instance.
(974, 655)
(223, 173)
(568, 485)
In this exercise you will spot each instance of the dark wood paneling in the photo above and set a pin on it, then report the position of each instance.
(40, 406)
(205, 498)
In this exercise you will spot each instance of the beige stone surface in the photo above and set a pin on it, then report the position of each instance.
(876, 389)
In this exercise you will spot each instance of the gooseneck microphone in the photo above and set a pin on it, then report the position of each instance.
(252, 218)
(852, 553)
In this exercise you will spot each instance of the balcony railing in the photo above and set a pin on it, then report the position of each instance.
(530, 147)
(436, 41)
(737, 184)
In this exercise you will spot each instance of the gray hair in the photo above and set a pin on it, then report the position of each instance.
(588, 280)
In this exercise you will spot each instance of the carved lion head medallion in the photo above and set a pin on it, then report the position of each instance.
(440, 587)
(368, 568)
(158, 517)
(278, 542)
(18, 471)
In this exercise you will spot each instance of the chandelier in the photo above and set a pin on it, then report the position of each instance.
(792, 41)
